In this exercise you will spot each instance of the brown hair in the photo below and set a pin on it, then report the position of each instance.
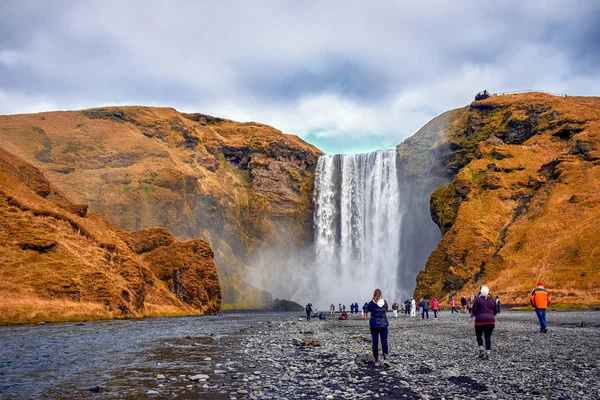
(377, 294)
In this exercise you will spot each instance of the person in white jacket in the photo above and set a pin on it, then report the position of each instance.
(413, 308)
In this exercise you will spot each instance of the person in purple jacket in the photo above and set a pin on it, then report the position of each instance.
(484, 311)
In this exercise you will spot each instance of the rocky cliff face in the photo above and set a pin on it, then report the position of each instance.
(524, 202)
(241, 187)
(60, 263)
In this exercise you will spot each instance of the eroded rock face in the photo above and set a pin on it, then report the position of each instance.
(239, 186)
(59, 264)
(524, 202)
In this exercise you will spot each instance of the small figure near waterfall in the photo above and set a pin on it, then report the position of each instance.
(453, 305)
(379, 326)
(540, 300)
(407, 307)
(332, 309)
(497, 305)
(308, 310)
(395, 308)
(424, 306)
(484, 310)
(413, 307)
(435, 305)
(366, 310)
(463, 303)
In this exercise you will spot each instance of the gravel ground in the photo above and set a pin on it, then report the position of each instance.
(431, 359)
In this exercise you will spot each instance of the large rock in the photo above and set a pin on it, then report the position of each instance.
(286, 305)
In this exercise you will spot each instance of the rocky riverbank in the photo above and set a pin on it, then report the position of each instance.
(431, 359)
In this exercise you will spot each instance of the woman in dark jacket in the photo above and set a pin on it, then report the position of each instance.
(484, 310)
(379, 326)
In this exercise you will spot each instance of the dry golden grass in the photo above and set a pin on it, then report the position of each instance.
(531, 211)
(59, 266)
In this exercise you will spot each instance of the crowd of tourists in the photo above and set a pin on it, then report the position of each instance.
(482, 307)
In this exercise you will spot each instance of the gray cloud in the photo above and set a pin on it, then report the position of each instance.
(345, 75)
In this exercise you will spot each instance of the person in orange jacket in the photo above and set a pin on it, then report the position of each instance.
(540, 300)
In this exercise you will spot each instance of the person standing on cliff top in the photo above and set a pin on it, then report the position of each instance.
(378, 324)
(540, 300)
(484, 310)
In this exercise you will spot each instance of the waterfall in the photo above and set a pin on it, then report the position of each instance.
(357, 222)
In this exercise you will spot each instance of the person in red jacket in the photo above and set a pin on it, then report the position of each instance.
(540, 300)
(435, 306)
(484, 311)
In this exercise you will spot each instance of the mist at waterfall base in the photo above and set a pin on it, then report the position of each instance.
(372, 229)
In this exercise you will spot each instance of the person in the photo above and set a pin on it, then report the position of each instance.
(378, 324)
(407, 307)
(484, 310)
(463, 303)
(332, 309)
(344, 315)
(470, 304)
(343, 307)
(308, 310)
(435, 305)
(424, 306)
(497, 305)
(322, 315)
(366, 310)
(395, 308)
(453, 304)
(413, 307)
(540, 300)
(340, 307)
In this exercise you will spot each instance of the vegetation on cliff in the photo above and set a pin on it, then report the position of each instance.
(524, 204)
(60, 263)
(239, 186)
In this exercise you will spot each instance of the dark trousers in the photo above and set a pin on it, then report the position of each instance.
(541, 314)
(435, 313)
(484, 330)
(407, 310)
(308, 316)
(424, 312)
(375, 334)
(454, 310)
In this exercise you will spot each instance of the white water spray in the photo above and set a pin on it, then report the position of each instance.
(357, 223)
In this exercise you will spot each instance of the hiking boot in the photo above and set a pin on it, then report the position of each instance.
(387, 364)
(481, 353)
(544, 330)
(488, 356)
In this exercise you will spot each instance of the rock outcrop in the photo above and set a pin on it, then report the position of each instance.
(524, 202)
(242, 187)
(59, 262)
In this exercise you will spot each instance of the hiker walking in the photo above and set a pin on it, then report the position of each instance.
(453, 305)
(308, 310)
(332, 309)
(540, 300)
(463, 303)
(407, 307)
(413, 307)
(484, 310)
(497, 305)
(378, 324)
(395, 308)
(435, 306)
(424, 306)
(366, 310)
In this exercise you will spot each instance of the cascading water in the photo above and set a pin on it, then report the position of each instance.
(357, 221)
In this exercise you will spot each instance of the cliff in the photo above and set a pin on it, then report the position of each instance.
(524, 201)
(242, 187)
(59, 262)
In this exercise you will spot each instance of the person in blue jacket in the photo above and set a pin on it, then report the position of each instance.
(379, 326)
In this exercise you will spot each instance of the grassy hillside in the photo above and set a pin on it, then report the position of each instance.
(524, 204)
(60, 263)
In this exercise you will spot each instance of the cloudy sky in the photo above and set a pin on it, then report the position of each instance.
(347, 76)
